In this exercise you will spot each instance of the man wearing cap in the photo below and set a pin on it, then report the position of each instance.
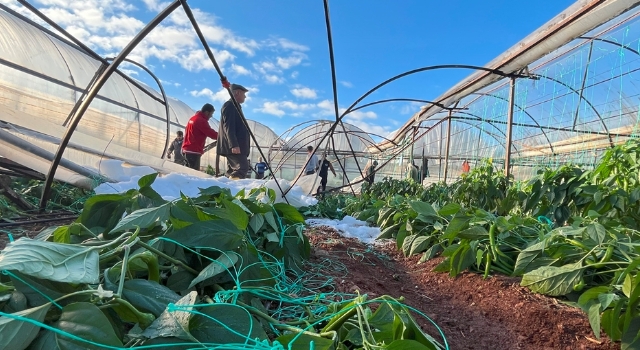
(195, 135)
(370, 172)
(234, 142)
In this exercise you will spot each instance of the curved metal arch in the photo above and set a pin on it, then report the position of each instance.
(82, 105)
(523, 110)
(484, 131)
(399, 100)
(287, 155)
(164, 97)
(609, 42)
(604, 125)
(396, 77)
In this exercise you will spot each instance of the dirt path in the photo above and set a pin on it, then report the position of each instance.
(473, 313)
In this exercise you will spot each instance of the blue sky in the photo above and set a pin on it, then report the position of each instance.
(278, 49)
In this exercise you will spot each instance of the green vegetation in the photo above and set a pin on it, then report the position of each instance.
(566, 232)
(137, 270)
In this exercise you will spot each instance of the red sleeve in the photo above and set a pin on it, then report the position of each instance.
(207, 130)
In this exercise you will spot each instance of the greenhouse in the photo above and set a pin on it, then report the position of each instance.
(502, 213)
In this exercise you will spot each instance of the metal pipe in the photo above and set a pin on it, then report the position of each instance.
(46, 155)
(93, 91)
(507, 158)
(446, 152)
(584, 81)
(164, 97)
(227, 86)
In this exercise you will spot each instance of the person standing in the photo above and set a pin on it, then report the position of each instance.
(465, 167)
(312, 163)
(261, 168)
(176, 149)
(234, 142)
(196, 133)
(370, 172)
(325, 166)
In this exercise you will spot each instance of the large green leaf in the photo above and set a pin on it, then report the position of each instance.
(63, 234)
(45, 340)
(552, 280)
(220, 265)
(594, 318)
(423, 208)
(450, 209)
(143, 218)
(456, 225)
(256, 222)
(86, 321)
(54, 261)
(18, 334)
(527, 256)
(225, 324)
(301, 342)
(221, 234)
(148, 296)
(474, 233)
(231, 212)
(104, 211)
(415, 244)
(174, 323)
(35, 289)
(407, 344)
(147, 180)
(289, 212)
(180, 281)
(597, 232)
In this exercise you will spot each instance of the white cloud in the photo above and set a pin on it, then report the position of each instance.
(346, 84)
(360, 115)
(278, 108)
(274, 79)
(411, 108)
(291, 61)
(156, 5)
(304, 92)
(221, 96)
(294, 74)
(285, 44)
(240, 70)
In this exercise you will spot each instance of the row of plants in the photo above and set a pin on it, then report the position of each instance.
(63, 196)
(213, 271)
(566, 232)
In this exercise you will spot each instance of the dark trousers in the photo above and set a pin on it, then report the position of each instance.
(259, 175)
(192, 160)
(237, 166)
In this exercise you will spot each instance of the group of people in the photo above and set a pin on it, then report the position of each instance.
(233, 140)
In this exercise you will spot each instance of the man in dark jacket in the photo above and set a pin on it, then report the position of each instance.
(234, 142)
(176, 149)
(196, 133)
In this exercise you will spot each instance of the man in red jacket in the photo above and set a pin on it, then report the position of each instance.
(195, 135)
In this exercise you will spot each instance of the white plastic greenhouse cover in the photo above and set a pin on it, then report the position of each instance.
(43, 76)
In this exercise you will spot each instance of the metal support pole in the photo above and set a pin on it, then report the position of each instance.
(93, 92)
(512, 97)
(446, 152)
(584, 81)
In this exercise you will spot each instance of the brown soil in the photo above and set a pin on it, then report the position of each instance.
(473, 313)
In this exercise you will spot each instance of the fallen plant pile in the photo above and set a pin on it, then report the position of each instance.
(215, 271)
